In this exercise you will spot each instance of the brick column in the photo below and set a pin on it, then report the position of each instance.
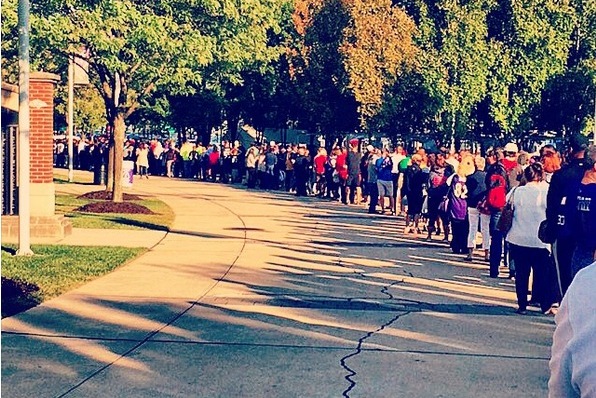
(44, 222)
(41, 91)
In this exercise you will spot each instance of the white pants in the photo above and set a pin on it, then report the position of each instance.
(475, 216)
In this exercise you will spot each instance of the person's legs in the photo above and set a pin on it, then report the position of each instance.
(563, 249)
(474, 218)
(544, 279)
(496, 245)
(373, 192)
(485, 231)
(522, 256)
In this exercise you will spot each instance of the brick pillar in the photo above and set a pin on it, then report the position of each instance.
(41, 91)
(44, 223)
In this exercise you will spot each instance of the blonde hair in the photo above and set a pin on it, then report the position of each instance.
(480, 163)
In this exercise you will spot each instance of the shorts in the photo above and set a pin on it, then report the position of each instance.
(385, 188)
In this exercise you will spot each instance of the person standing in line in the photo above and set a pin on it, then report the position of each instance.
(497, 188)
(319, 165)
(397, 156)
(584, 218)
(458, 207)
(415, 181)
(354, 178)
(171, 155)
(478, 211)
(528, 252)
(372, 173)
(573, 352)
(564, 183)
(341, 167)
(384, 180)
(143, 160)
(437, 191)
(252, 156)
(301, 172)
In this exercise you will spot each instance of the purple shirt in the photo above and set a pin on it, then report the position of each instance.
(458, 193)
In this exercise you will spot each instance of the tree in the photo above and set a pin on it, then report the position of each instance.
(531, 41)
(377, 45)
(136, 46)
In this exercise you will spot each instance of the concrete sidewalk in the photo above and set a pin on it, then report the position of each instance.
(256, 294)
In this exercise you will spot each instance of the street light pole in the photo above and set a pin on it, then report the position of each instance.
(70, 117)
(24, 132)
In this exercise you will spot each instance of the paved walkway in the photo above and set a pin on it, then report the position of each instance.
(256, 294)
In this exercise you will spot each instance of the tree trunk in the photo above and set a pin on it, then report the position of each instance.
(110, 171)
(119, 131)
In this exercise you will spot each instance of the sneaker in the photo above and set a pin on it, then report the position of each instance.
(521, 311)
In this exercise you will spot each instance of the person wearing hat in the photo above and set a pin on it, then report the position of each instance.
(564, 183)
(510, 161)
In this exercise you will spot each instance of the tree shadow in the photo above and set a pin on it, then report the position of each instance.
(18, 296)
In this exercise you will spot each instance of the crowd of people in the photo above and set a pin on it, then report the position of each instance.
(458, 196)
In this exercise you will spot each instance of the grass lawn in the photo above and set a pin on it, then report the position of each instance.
(53, 270)
(161, 220)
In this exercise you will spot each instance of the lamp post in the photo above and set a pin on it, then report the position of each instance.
(24, 132)
(70, 118)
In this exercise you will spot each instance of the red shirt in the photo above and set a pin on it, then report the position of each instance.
(320, 164)
(341, 165)
(509, 164)
(213, 158)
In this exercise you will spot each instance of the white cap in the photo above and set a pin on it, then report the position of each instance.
(511, 147)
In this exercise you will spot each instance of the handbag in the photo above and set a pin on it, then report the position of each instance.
(506, 220)
(483, 207)
(546, 232)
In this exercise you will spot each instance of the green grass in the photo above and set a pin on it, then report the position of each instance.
(161, 220)
(54, 270)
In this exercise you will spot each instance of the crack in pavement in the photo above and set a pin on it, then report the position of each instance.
(343, 362)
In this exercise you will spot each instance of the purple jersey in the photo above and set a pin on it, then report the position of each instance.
(458, 193)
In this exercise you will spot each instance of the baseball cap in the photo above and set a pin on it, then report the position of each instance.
(578, 142)
(511, 147)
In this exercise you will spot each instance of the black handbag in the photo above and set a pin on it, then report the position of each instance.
(506, 220)
(547, 233)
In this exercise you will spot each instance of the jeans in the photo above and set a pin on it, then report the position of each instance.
(563, 249)
(537, 260)
(374, 196)
(582, 257)
(475, 217)
(496, 245)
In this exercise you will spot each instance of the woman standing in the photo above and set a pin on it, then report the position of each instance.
(143, 160)
(528, 252)
(478, 211)
(437, 191)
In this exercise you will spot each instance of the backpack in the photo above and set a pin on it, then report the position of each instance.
(497, 192)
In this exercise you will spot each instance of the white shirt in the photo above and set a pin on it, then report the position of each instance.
(529, 203)
(573, 359)
(396, 158)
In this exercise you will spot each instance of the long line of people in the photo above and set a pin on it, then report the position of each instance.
(455, 197)
(461, 197)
